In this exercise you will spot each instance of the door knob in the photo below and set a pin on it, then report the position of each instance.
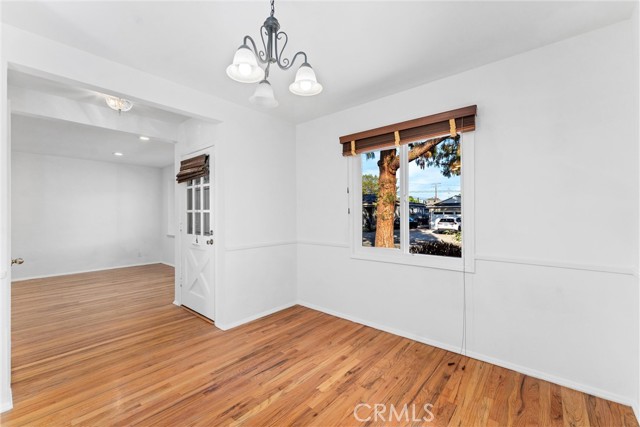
(17, 261)
(210, 242)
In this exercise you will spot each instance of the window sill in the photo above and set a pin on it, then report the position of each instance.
(416, 260)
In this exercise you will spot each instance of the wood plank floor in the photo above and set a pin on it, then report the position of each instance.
(109, 348)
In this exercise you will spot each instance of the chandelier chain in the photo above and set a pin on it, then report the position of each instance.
(273, 9)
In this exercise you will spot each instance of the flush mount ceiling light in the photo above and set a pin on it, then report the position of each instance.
(118, 104)
(144, 138)
(118, 154)
(245, 67)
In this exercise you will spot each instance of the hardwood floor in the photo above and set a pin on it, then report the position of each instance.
(109, 348)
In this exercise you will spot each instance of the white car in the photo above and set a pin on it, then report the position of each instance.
(446, 223)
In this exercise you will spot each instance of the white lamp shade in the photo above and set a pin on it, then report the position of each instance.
(245, 66)
(263, 96)
(306, 83)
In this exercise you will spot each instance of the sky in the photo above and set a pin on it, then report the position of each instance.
(421, 181)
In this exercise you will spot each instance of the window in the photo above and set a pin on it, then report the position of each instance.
(431, 184)
(407, 197)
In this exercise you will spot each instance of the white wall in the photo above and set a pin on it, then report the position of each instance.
(635, 23)
(554, 293)
(168, 221)
(260, 218)
(71, 215)
(5, 236)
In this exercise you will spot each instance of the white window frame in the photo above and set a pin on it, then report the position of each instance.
(402, 255)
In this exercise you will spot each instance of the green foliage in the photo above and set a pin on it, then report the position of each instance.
(370, 184)
(413, 200)
(444, 156)
(436, 248)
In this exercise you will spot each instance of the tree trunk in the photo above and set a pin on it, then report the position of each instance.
(386, 208)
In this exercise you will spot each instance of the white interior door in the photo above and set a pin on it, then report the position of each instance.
(198, 248)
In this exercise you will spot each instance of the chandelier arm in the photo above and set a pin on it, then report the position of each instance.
(259, 55)
(265, 55)
(285, 37)
(285, 64)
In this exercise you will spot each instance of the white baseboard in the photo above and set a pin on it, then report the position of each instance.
(166, 263)
(594, 391)
(7, 404)
(85, 271)
(227, 326)
(384, 328)
(484, 358)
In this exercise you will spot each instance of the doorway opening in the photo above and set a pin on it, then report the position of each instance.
(95, 218)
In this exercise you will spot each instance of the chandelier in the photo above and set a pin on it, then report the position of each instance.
(245, 68)
(118, 104)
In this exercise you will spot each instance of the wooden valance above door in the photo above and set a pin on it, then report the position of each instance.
(193, 168)
(441, 124)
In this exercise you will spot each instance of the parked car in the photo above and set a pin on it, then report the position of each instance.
(413, 223)
(446, 223)
(369, 221)
(420, 213)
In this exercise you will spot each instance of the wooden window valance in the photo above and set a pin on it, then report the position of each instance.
(460, 120)
(193, 168)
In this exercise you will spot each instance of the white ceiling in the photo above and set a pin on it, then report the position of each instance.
(69, 139)
(86, 96)
(360, 50)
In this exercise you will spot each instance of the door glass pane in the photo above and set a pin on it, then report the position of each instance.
(206, 179)
(205, 201)
(197, 198)
(189, 183)
(189, 223)
(206, 227)
(189, 199)
(198, 230)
